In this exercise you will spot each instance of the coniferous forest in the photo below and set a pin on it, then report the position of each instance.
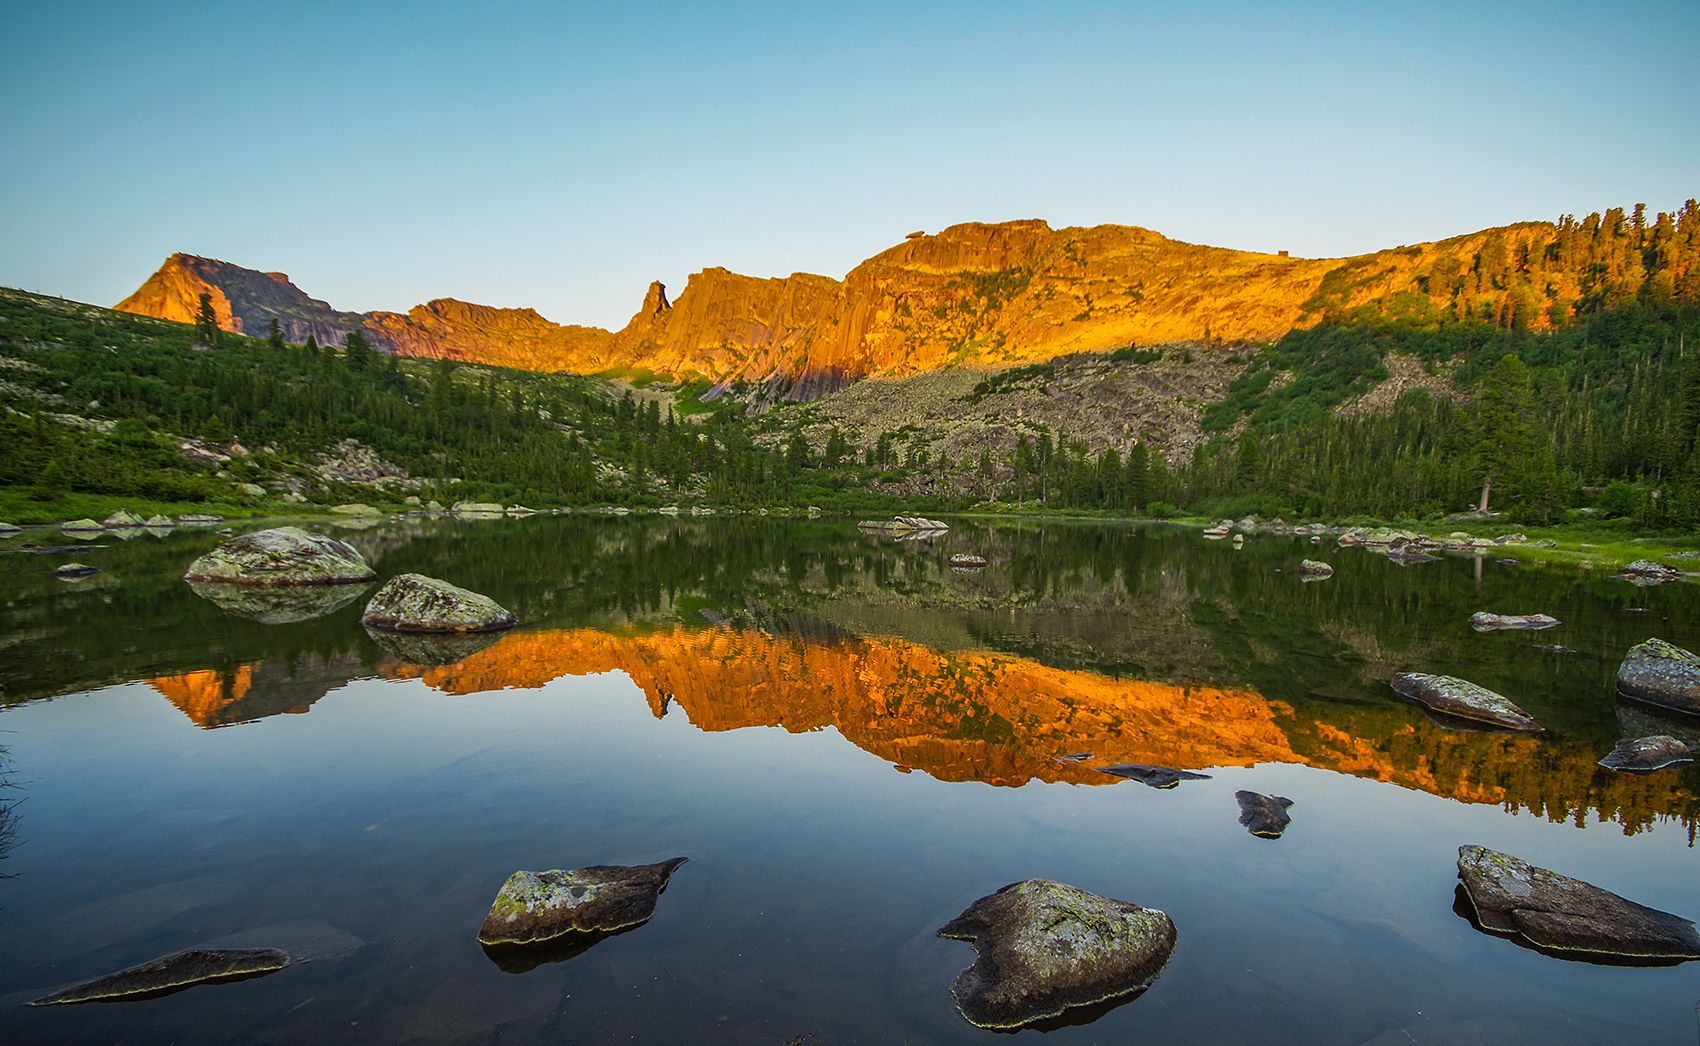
(1553, 376)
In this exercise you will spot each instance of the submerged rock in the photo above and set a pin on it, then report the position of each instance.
(1465, 700)
(1643, 755)
(1265, 816)
(1660, 673)
(1559, 914)
(1044, 947)
(416, 603)
(1155, 776)
(281, 556)
(75, 570)
(1485, 622)
(539, 907)
(172, 972)
(433, 650)
(1315, 570)
(278, 605)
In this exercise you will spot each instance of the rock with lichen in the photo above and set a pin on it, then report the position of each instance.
(1045, 947)
(281, 556)
(1661, 673)
(170, 972)
(1463, 700)
(416, 603)
(541, 907)
(1566, 916)
(1644, 755)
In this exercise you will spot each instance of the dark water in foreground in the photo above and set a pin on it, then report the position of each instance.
(851, 743)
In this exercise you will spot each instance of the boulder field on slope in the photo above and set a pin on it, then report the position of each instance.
(281, 556)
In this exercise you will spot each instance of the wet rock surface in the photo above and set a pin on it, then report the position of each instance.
(1155, 776)
(281, 556)
(171, 973)
(1568, 917)
(1663, 674)
(1463, 700)
(1045, 948)
(1264, 816)
(278, 605)
(1485, 622)
(537, 908)
(1644, 755)
(416, 603)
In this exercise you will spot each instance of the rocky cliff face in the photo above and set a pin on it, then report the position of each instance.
(973, 294)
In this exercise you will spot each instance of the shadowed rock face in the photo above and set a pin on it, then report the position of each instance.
(1661, 674)
(1566, 916)
(1045, 947)
(535, 908)
(281, 556)
(1155, 776)
(1463, 700)
(172, 972)
(278, 606)
(1264, 816)
(416, 603)
(1646, 754)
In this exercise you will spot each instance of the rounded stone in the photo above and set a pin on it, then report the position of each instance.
(281, 556)
(416, 603)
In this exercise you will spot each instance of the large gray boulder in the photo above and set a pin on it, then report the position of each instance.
(1567, 916)
(1660, 673)
(1463, 700)
(539, 907)
(181, 970)
(416, 603)
(1044, 947)
(281, 556)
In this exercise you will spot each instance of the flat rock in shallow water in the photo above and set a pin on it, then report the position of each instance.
(278, 605)
(1643, 755)
(1485, 622)
(1660, 673)
(75, 570)
(1155, 776)
(416, 603)
(1463, 700)
(1045, 947)
(540, 907)
(1568, 916)
(172, 972)
(1264, 816)
(281, 556)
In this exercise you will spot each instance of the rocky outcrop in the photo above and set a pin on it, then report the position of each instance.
(1566, 916)
(1264, 816)
(171, 972)
(1644, 755)
(539, 907)
(1660, 673)
(281, 556)
(245, 301)
(1463, 700)
(1044, 948)
(416, 603)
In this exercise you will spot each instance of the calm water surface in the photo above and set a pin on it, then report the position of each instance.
(851, 743)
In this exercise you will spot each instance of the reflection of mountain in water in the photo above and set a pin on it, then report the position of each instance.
(264, 688)
(999, 719)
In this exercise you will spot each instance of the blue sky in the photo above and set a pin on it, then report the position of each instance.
(562, 155)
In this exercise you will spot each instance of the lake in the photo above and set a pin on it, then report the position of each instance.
(851, 742)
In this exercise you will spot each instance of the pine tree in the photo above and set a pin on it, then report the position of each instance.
(206, 321)
(274, 335)
(1503, 440)
(357, 351)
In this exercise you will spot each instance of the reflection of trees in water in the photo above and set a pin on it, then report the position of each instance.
(8, 808)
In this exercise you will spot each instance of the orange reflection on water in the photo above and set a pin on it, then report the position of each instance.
(203, 695)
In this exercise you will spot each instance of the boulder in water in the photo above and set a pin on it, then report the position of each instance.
(159, 523)
(171, 973)
(1155, 776)
(416, 603)
(1482, 621)
(539, 907)
(74, 570)
(1463, 700)
(123, 518)
(1647, 572)
(1315, 570)
(356, 509)
(963, 561)
(84, 525)
(1660, 673)
(1643, 755)
(1566, 916)
(1044, 948)
(476, 508)
(281, 556)
(1264, 816)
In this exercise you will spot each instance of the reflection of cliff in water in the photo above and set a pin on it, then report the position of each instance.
(1001, 719)
(248, 692)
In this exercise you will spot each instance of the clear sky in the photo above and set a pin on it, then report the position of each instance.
(562, 155)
